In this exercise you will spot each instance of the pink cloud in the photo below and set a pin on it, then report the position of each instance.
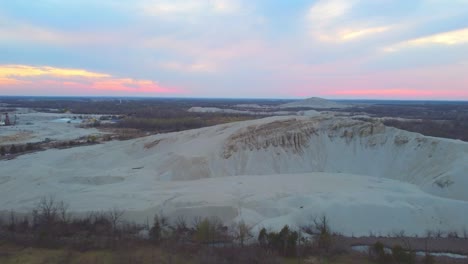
(37, 81)
(10, 81)
(130, 85)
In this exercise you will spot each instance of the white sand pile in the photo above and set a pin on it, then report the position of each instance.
(364, 176)
(198, 109)
(314, 102)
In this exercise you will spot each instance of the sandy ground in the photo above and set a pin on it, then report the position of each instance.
(36, 127)
(356, 205)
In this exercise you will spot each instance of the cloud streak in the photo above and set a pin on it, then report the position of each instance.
(187, 9)
(331, 21)
(35, 71)
(363, 32)
(456, 37)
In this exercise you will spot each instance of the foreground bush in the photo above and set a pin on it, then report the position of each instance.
(398, 255)
(207, 240)
(284, 242)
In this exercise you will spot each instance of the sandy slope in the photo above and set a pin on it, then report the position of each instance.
(407, 181)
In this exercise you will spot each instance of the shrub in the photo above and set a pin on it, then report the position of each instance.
(29, 147)
(180, 230)
(13, 149)
(402, 256)
(50, 220)
(263, 237)
(321, 232)
(378, 249)
(209, 230)
(428, 259)
(159, 229)
(242, 232)
(377, 253)
(91, 139)
(284, 242)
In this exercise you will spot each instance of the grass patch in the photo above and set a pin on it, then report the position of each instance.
(14, 255)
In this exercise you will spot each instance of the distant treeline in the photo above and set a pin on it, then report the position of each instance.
(154, 107)
(454, 129)
(452, 112)
(437, 120)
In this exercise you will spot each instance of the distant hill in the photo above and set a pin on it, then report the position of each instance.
(314, 102)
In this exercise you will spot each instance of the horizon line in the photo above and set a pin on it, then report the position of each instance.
(231, 98)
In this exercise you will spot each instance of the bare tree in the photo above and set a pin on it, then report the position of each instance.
(321, 232)
(242, 232)
(180, 228)
(13, 221)
(2, 220)
(115, 217)
(47, 206)
(47, 211)
(50, 219)
(63, 214)
(196, 221)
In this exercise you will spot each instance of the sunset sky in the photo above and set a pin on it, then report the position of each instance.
(346, 49)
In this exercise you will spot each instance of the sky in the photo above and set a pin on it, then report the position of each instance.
(337, 49)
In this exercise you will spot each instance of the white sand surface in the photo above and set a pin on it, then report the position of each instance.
(270, 172)
(34, 126)
(198, 109)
